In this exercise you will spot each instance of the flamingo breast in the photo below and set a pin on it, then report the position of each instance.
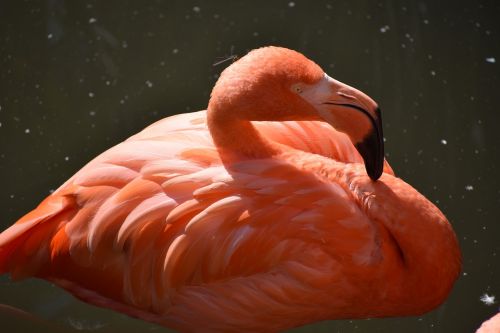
(156, 227)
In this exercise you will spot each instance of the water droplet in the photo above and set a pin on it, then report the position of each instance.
(487, 299)
(384, 29)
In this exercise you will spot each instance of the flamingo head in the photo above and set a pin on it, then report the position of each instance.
(278, 84)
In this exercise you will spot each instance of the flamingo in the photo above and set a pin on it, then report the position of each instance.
(272, 209)
(491, 325)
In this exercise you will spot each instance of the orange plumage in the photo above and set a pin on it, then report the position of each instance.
(492, 325)
(255, 215)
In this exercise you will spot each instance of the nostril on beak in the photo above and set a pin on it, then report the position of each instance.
(345, 95)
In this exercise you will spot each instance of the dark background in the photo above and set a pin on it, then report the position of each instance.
(77, 77)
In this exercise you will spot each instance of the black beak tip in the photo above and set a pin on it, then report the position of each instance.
(374, 160)
(374, 165)
(375, 173)
(372, 149)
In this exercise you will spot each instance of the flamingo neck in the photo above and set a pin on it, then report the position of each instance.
(237, 139)
(422, 237)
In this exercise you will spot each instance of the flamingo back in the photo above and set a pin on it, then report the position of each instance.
(152, 221)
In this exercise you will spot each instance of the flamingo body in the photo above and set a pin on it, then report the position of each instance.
(492, 325)
(169, 228)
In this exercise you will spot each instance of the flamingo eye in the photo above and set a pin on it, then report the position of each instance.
(296, 88)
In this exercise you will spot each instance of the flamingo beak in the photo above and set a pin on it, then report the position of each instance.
(371, 148)
(352, 112)
(370, 144)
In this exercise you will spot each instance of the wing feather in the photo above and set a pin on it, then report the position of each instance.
(159, 213)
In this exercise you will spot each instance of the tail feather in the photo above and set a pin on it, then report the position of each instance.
(13, 241)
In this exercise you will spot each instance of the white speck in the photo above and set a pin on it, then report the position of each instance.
(426, 21)
(92, 113)
(469, 187)
(491, 60)
(175, 51)
(0, 124)
(444, 142)
(91, 95)
(124, 44)
(85, 325)
(433, 73)
(12, 196)
(291, 4)
(487, 299)
(149, 84)
(196, 9)
(66, 158)
(384, 29)
(92, 20)
(27, 131)
(49, 36)
(108, 83)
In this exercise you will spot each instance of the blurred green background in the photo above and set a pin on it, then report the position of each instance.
(77, 77)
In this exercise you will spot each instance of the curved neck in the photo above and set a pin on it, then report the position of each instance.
(421, 236)
(237, 139)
